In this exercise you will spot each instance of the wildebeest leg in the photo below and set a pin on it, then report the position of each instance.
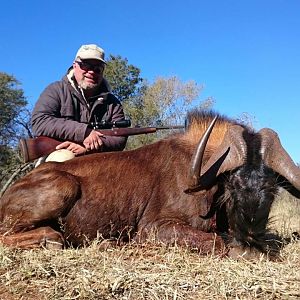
(36, 200)
(40, 237)
(185, 235)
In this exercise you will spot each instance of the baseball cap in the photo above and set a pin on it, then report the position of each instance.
(90, 51)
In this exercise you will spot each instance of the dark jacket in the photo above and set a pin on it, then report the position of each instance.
(61, 112)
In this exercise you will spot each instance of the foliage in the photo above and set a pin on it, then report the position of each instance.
(163, 103)
(14, 122)
(12, 104)
(123, 78)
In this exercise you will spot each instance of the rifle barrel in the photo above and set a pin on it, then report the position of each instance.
(171, 127)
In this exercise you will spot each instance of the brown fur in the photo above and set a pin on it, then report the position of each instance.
(119, 195)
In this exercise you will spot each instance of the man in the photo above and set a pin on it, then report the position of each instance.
(67, 108)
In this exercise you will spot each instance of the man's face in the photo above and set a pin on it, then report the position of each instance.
(88, 73)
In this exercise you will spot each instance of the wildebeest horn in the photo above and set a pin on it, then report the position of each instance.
(276, 158)
(228, 156)
(198, 155)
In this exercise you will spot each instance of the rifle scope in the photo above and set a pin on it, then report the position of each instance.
(107, 125)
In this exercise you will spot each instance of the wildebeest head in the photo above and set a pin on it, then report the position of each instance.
(247, 167)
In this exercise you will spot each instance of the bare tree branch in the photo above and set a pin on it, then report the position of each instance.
(19, 170)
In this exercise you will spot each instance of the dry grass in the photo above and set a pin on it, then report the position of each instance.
(285, 214)
(151, 271)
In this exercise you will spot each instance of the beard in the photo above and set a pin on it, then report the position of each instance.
(88, 86)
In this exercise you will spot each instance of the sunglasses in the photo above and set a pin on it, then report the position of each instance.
(89, 67)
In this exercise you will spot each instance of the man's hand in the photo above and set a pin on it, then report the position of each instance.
(93, 141)
(75, 148)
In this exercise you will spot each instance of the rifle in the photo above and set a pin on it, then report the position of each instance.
(33, 148)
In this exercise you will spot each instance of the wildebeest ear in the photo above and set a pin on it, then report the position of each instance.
(276, 158)
(230, 155)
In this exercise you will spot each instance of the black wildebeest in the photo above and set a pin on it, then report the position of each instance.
(218, 179)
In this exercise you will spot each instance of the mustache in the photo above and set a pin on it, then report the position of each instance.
(88, 85)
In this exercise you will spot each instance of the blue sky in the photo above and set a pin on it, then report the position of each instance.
(246, 53)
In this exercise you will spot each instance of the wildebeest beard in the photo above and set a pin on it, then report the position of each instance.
(252, 194)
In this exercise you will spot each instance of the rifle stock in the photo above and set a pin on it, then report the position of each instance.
(34, 148)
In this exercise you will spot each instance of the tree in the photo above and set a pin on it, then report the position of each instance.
(165, 102)
(12, 105)
(14, 120)
(123, 78)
